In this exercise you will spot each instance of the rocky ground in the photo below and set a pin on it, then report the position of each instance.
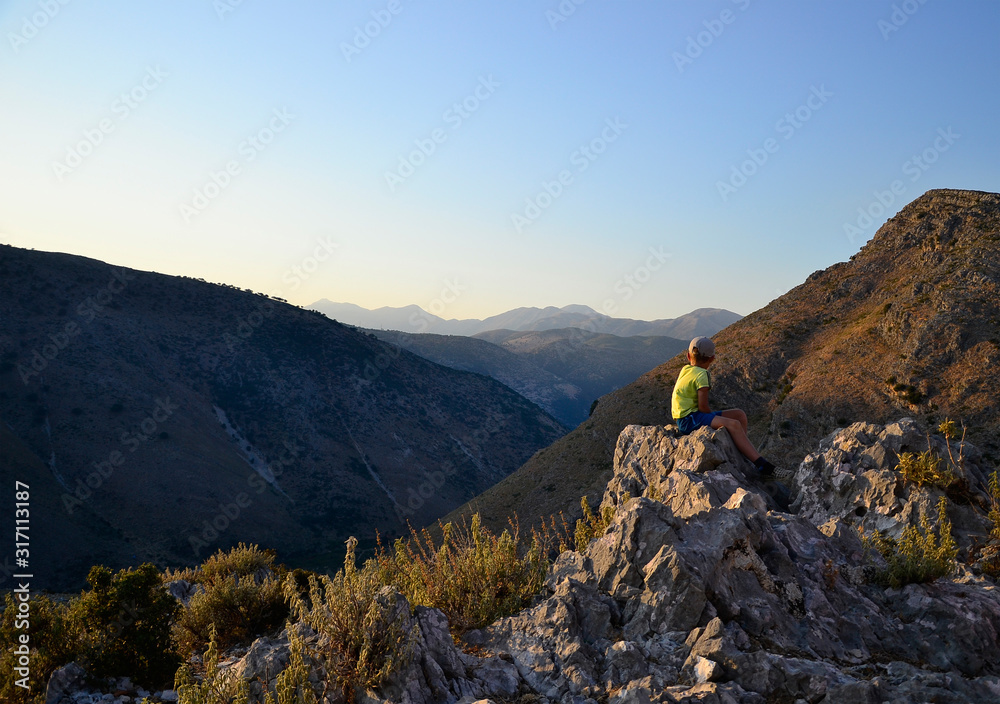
(701, 591)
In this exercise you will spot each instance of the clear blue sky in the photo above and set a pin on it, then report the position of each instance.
(689, 88)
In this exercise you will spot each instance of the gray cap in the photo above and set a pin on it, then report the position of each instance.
(703, 346)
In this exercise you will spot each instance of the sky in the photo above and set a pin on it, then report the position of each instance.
(643, 158)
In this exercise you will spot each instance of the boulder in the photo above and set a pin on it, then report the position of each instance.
(64, 683)
(853, 478)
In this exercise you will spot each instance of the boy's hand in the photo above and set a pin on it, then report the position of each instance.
(703, 400)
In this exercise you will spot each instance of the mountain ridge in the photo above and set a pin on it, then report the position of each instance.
(562, 370)
(413, 319)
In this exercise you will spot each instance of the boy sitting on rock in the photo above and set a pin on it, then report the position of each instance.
(689, 407)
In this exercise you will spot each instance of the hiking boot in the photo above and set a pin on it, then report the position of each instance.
(777, 474)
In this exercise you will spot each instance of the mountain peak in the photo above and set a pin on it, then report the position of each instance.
(581, 309)
(936, 217)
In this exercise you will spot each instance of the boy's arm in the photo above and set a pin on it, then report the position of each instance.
(703, 400)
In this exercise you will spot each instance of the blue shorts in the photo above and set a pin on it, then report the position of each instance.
(695, 420)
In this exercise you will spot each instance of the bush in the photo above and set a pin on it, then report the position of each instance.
(242, 599)
(925, 468)
(918, 556)
(363, 644)
(51, 646)
(474, 577)
(591, 526)
(989, 554)
(292, 686)
(214, 687)
(121, 627)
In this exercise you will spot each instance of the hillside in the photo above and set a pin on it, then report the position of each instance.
(167, 417)
(909, 326)
(557, 396)
(413, 319)
(563, 371)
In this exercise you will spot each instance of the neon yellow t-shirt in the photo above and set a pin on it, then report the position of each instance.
(685, 397)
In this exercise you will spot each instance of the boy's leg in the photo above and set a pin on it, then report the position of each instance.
(738, 434)
(737, 414)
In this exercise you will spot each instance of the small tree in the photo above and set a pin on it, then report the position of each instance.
(122, 625)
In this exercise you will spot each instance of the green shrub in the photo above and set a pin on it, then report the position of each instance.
(925, 468)
(989, 554)
(50, 643)
(292, 686)
(121, 627)
(908, 392)
(994, 514)
(474, 577)
(242, 561)
(242, 598)
(918, 556)
(363, 644)
(214, 687)
(591, 526)
(240, 608)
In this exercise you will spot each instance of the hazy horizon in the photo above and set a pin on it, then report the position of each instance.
(497, 313)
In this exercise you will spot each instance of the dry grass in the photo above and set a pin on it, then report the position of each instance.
(474, 576)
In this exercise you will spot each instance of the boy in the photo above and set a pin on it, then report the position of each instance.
(689, 407)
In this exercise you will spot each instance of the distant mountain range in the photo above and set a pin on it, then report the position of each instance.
(161, 418)
(563, 371)
(704, 321)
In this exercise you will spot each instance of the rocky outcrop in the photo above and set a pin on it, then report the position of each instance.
(706, 595)
(70, 684)
(852, 479)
